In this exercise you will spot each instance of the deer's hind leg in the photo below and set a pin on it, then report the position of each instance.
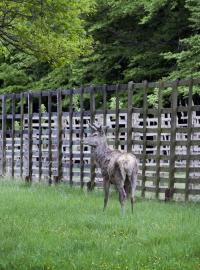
(119, 180)
(133, 182)
(106, 186)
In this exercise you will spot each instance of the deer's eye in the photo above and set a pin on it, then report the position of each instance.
(94, 135)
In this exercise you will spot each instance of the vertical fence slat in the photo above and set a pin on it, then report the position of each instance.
(144, 154)
(117, 117)
(105, 105)
(129, 117)
(81, 139)
(71, 138)
(4, 127)
(158, 143)
(40, 137)
(189, 133)
(49, 138)
(92, 119)
(30, 135)
(21, 133)
(13, 136)
(59, 137)
(174, 100)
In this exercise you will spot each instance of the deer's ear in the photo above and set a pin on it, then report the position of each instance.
(101, 130)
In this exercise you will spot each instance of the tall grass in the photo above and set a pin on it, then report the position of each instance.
(59, 227)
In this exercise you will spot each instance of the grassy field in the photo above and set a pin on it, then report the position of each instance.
(59, 227)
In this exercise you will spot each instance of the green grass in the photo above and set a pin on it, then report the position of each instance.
(59, 227)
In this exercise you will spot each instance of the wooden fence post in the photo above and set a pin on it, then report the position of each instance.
(117, 117)
(189, 133)
(30, 136)
(174, 100)
(105, 105)
(81, 138)
(4, 127)
(13, 136)
(144, 154)
(40, 137)
(92, 119)
(21, 133)
(129, 117)
(59, 137)
(49, 137)
(158, 142)
(71, 138)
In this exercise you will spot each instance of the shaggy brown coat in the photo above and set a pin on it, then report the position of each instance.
(117, 167)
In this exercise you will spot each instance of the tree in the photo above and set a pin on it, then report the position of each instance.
(53, 31)
(188, 57)
(130, 39)
(22, 72)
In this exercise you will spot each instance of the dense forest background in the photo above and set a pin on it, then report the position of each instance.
(47, 44)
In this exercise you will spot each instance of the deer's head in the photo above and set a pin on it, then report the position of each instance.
(97, 136)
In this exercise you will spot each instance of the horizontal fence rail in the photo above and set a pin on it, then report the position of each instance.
(41, 134)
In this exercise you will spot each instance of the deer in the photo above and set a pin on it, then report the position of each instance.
(117, 167)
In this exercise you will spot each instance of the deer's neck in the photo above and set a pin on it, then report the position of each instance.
(101, 150)
(102, 154)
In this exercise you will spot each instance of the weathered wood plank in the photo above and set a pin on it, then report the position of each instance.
(174, 102)
(13, 135)
(144, 154)
(49, 137)
(189, 133)
(158, 141)
(21, 133)
(81, 138)
(152, 111)
(129, 117)
(4, 127)
(59, 136)
(117, 117)
(92, 119)
(105, 105)
(40, 136)
(30, 132)
(71, 138)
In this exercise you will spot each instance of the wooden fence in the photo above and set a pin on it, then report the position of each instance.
(41, 134)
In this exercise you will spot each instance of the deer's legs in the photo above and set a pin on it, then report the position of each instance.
(133, 181)
(122, 198)
(106, 185)
(122, 195)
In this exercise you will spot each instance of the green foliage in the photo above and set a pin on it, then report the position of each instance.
(188, 56)
(17, 125)
(130, 39)
(65, 228)
(66, 44)
(112, 104)
(43, 108)
(76, 102)
(50, 30)
(153, 98)
(22, 72)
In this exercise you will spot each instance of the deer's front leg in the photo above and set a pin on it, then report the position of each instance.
(106, 186)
